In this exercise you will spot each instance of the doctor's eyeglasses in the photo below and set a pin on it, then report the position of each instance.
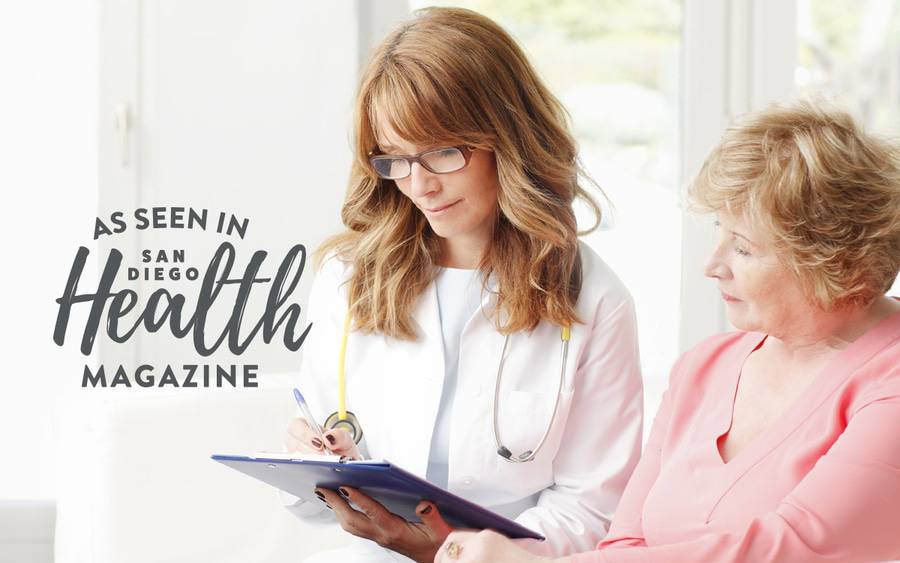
(437, 161)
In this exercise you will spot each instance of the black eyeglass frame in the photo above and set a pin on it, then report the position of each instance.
(465, 150)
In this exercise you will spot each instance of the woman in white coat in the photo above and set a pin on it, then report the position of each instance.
(461, 251)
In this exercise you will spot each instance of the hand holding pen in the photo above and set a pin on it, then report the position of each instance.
(306, 436)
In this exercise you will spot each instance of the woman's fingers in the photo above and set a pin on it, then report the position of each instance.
(374, 510)
(298, 428)
(486, 545)
(291, 444)
(351, 520)
(451, 551)
(428, 513)
(372, 521)
(301, 438)
(340, 442)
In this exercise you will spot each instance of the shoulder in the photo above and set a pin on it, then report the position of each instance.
(721, 343)
(333, 270)
(713, 355)
(328, 291)
(602, 292)
(877, 379)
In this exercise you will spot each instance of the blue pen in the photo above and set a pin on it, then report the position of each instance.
(310, 419)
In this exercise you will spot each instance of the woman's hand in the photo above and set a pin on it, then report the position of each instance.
(485, 546)
(302, 439)
(418, 541)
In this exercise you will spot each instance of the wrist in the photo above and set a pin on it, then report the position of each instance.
(426, 556)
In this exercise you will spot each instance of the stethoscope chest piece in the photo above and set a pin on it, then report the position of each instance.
(350, 424)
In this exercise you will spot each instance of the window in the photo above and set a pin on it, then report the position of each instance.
(615, 67)
(850, 51)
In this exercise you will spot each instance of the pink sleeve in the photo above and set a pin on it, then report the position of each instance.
(847, 508)
(626, 529)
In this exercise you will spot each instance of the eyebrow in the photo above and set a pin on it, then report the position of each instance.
(387, 147)
(737, 234)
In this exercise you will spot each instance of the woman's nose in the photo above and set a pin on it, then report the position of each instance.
(421, 181)
(715, 266)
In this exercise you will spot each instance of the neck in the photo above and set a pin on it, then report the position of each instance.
(817, 332)
(465, 254)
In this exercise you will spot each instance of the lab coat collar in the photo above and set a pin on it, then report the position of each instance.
(489, 301)
(426, 315)
(427, 318)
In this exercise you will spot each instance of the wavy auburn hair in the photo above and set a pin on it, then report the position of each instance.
(454, 77)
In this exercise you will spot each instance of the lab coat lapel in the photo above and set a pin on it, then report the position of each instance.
(482, 342)
(479, 355)
(427, 318)
(424, 367)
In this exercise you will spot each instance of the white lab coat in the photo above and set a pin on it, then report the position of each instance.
(569, 491)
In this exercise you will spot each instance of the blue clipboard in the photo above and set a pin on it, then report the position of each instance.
(398, 490)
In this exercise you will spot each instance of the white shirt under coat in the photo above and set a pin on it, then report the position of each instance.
(569, 492)
(459, 298)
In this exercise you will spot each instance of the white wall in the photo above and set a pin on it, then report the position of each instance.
(48, 155)
(247, 116)
(48, 151)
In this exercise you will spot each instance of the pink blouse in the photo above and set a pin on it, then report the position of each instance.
(820, 484)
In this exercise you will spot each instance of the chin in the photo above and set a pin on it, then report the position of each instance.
(741, 322)
(738, 319)
(444, 231)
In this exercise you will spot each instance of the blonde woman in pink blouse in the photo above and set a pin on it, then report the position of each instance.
(781, 441)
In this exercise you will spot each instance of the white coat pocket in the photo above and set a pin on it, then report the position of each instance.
(523, 418)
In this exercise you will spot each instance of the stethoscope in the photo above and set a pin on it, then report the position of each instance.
(346, 420)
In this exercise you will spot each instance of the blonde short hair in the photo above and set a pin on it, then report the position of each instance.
(827, 192)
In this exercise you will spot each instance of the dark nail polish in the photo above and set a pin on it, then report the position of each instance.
(330, 439)
(317, 443)
(321, 496)
(344, 492)
(426, 510)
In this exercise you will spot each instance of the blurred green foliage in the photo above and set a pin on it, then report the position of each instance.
(848, 51)
(623, 41)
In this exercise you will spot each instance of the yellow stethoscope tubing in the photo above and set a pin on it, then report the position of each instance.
(342, 377)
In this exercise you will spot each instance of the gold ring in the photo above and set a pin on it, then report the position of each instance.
(453, 550)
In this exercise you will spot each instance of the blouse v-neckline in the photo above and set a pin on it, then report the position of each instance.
(816, 392)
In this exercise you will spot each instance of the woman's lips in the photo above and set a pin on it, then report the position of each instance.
(440, 209)
(728, 298)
